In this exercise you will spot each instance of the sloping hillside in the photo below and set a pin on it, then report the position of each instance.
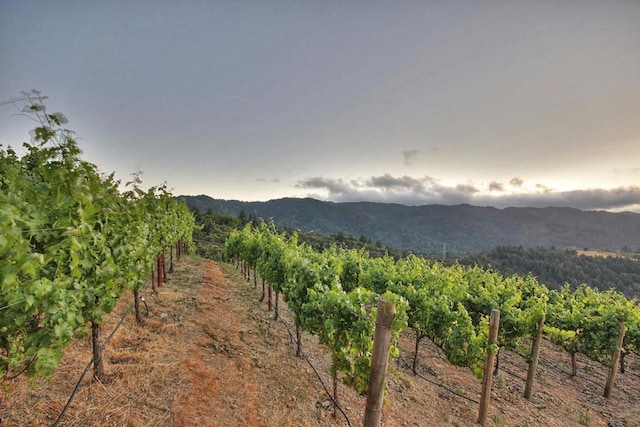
(210, 354)
(432, 229)
(557, 267)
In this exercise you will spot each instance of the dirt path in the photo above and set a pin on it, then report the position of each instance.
(210, 354)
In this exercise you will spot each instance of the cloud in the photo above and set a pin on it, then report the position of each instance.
(616, 198)
(466, 188)
(544, 188)
(496, 186)
(410, 156)
(336, 187)
(516, 182)
(389, 189)
(389, 183)
(429, 190)
(384, 189)
(272, 180)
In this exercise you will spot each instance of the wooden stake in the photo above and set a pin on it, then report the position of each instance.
(615, 358)
(494, 324)
(379, 362)
(160, 270)
(136, 305)
(164, 270)
(533, 364)
(171, 259)
(154, 288)
(98, 364)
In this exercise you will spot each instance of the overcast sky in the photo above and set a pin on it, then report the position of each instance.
(500, 103)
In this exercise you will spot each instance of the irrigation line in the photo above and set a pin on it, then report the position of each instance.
(628, 367)
(438, 384)
(293, 339)
(12, 304)
(400, 357)
(512, 374)
(588, 379)
(86, 369)
(117, 327)
(631, 373)
(73, 394)
(548, 362)
(306, 358)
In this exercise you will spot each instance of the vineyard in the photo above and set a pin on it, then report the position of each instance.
(210, 354)
(332, 296)
(74, 243)
(71, 244)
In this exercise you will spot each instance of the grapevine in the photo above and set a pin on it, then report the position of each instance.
(70, 243)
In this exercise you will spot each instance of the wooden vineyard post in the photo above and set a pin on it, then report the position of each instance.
(98, 364)
(494, 323)
(136, 305)
(160, 272)
(154, 288)
(615, 359)
(379, 362)
(164, 263)
(533, 364)
(171, 259)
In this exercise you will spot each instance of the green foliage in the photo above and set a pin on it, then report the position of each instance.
(426, 229)
(70, 243)
(557, 267)
(322, 290)
(212, 232)
(332, 294)
(586, 321)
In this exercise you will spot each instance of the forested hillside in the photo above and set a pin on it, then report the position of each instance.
(555, 267)
(431, 229)
(214, 228)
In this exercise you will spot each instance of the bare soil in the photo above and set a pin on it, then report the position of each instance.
(210, 354)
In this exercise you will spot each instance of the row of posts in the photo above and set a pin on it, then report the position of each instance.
(382, 346)
(159, 273)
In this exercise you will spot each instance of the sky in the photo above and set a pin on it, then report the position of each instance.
(490, 103)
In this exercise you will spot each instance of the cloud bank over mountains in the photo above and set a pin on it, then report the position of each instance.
(413, 191)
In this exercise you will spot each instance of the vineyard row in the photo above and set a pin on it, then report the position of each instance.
(332, 294)
(71, 244)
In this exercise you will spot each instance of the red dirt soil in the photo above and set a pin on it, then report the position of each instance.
(210, 354)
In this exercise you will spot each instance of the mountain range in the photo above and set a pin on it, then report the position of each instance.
(432, 229)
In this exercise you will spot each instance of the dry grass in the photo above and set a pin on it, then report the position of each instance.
(596, 253)
(211, 355)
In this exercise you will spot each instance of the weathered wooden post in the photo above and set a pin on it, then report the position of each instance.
(379, 362)
(615, 359)
(533, 364)
(154, 288)
(494, 323)
(171, 259)
(136, 305)
(165, 278)
(160, 270)
(98, 363)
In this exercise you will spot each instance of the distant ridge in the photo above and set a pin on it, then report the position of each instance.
(430, 229)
